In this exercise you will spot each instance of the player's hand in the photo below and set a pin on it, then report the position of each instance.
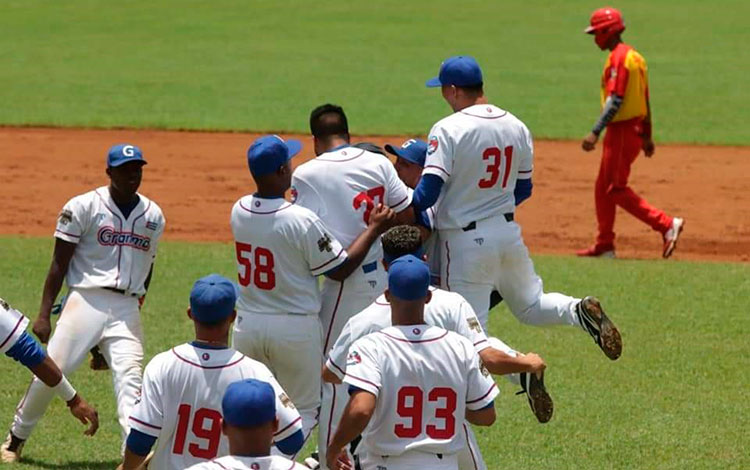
(85, 413)
(589, 142)
(535, 362)
(382, 218)
(42, 329)
(141, 300)
(648, 146)
(338, 460)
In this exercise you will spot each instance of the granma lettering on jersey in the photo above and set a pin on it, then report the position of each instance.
(108, 236)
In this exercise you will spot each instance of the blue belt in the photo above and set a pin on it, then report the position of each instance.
(370, 267)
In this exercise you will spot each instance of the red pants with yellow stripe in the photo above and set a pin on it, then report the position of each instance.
(622, 144)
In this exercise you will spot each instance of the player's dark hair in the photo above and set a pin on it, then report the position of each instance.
(329, 120)
(401, 240)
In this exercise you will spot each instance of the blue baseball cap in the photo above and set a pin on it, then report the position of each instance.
(408, 278)
(268, 153)
(121, 154)
(413, 150)
(212, 298)
(249, 403)
(461, 70)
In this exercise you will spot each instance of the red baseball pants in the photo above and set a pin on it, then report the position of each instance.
(622, 144)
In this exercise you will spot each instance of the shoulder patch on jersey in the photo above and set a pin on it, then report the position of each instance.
(294, 194)
(152, 225)
(432, 145)
(474, 324)
(324, 244)
(65, 217)
(353, 358)
(285, 400)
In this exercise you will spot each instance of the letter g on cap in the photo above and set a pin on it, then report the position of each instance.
(128, 151)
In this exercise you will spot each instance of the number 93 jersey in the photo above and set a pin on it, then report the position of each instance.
(180, 403)
(343, 186)
(479, 152)
(424, 378)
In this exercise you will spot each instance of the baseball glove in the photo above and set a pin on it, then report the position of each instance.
(97, 360)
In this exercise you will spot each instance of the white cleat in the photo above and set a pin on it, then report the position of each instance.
(671, 236)
(10, 450)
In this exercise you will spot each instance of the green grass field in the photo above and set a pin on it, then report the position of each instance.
(676, 399)
(262, 65)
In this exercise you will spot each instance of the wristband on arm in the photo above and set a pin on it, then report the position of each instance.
(64, 390)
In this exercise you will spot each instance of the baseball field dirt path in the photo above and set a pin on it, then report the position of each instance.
(197, 176)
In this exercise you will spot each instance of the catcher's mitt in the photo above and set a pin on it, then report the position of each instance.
(97, 360)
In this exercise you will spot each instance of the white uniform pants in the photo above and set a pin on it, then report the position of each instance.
(341, 301)
(493, 256)
(290, 346)
(91, 317)
(411, 460)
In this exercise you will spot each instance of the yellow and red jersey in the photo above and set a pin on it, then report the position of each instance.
(626, 74)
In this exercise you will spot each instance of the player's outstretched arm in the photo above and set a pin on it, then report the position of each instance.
(381, 219)
(499, 363)
(353, 422)
(484, 417)
(57, 270)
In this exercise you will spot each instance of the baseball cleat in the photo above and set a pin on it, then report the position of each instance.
(539, 400)
(592, 318)
(671, 236)
(312, 461)
(10, 450)
(598, 251)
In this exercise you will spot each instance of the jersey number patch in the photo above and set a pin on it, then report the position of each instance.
(368, 198)
(263, 276)
(410, 406)
(206, 426)
(493, 168)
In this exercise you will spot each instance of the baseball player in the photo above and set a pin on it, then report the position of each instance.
(281, 248)
(249, 423)
(179, 407)
(343, 185)
(20, 346)
(478, 168)
(411, 386)
(447, 310)
(105, 245)
(626, 113)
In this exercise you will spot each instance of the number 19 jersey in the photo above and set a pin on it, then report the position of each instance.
(424, 378)
(479, 153)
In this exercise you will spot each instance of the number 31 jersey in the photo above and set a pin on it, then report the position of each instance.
(424, 378)
(180, 403)
(343, 186)
(479, 152)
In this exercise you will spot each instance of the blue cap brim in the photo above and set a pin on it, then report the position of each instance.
(433, 83)
(400, 154)
(128, 160)
(294, 146)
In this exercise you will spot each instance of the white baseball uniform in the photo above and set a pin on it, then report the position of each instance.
(447, 310)
(112, 258)
(342, 187)
(180, 403)
(480, 152)
(235, 462)
(12, 325)
(281, 248)
(424, 378)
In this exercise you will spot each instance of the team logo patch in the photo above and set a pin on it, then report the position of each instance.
(353, 358)
(108, 236)
(294, 194)
(479, 241)
(474, 324)
(372, 283)
(416, 331)
(205, 356)
(151, 225)
(324, 244)
(65, 217)
(432, 145)
(285, 400)
(255, 466)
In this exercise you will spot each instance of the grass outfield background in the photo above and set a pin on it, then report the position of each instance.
(263, 65)
(676, 399)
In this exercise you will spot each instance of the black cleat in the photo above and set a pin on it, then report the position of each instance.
(539, 400)
(592, 318)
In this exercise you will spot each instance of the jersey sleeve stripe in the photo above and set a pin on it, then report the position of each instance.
(402, 201)
(469, 402)
(288, 426)
(145, 423)
(68, 234)
(525, 171)
(343, 372)
(439, 168)
(20, 320)
(327, 262)
(364, 381)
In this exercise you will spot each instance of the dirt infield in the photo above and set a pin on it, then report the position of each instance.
(196, 177)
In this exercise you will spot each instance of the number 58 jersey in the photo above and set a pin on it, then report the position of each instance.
(180, 403)
(424, 378)
(343, 186)
(479, 152)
